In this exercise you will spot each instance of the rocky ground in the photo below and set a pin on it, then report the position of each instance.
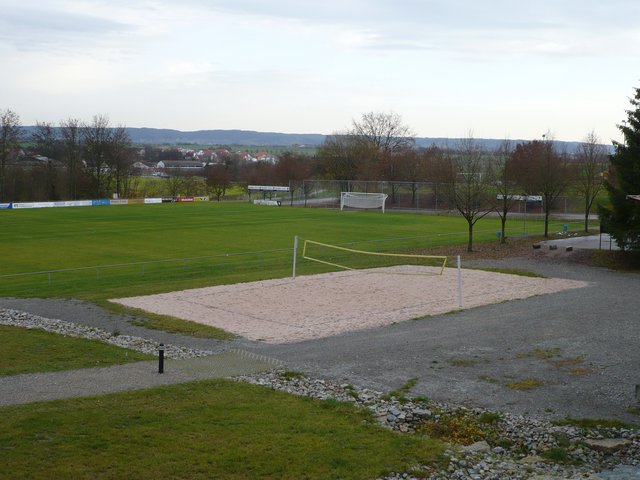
(484, 444)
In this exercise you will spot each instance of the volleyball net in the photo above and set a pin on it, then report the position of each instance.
(348, 258)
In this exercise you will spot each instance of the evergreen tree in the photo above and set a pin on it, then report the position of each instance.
(622, 219)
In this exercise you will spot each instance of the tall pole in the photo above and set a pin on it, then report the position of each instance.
(459, 283)
(295, 255)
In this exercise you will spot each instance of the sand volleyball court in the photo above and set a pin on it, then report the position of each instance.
(315, 306)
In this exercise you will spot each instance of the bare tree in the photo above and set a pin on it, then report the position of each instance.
(218, 180)
(591, 164)
(384, 136)
(541, 170)
(416, 168)
(340, 158)
(120, 161)
(46, 140)
(291, 169)
(70, 131)
(10, 129)
(96, 137)
(469, 183)
(174, 183)
(506, 184)
(384, 131)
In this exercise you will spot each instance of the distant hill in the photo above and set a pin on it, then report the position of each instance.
(163, 136)
(222, 137)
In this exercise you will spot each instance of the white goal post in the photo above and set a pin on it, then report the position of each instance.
(362, 200)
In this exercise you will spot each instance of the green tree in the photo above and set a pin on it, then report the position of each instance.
(622, 218)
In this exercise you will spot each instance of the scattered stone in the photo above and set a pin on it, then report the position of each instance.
(607, 445)
(532, 459)
(478, 447)
(26, 320)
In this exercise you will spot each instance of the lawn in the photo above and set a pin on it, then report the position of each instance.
(27, 351)
(194, 245)
(212, 429)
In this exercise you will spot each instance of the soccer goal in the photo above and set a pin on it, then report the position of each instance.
(362, 200)
(354, 259)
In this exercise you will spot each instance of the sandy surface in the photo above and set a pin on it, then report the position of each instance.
(289, 310)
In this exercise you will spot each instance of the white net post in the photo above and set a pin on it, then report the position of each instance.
(459, 283)
(295, 255)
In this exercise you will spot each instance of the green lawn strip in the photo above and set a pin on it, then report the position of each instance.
(210, 429)
(167, 323)
(27, 351)
(594, 423)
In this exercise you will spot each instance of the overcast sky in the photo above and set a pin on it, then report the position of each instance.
(499, 69)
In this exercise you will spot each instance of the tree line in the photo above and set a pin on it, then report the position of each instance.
(77, 160)
(96, 160)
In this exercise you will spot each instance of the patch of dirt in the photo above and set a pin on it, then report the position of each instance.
(516, 247)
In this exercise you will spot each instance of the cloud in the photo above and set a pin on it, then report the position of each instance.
(43, 28)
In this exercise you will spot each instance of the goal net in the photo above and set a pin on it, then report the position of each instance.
(362, 200)
(348, 258)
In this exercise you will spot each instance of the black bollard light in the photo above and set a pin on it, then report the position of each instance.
(161, 358)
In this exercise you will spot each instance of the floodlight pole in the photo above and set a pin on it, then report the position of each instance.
(295, 255)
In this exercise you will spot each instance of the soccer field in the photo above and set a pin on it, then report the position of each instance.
(106, 252)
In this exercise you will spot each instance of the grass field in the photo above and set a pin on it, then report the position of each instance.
(27, 351)
(175, 246)
(212, 429)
